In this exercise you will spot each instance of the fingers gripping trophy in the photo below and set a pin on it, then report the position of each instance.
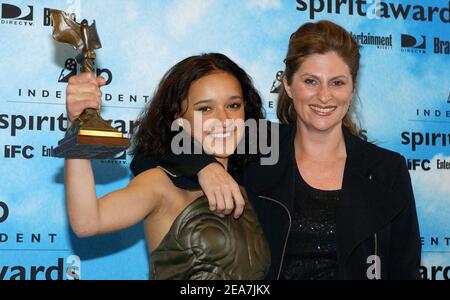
(89, 136)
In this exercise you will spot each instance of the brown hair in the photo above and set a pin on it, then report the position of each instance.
(318, 38)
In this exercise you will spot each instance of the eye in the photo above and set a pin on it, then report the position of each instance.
(338, 83)
(235, 106)
(310, 81)
(204, 109)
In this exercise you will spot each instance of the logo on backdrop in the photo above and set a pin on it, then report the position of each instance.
(379, 41)
(376, 9)
(413, 44)
(16, 15)
(418, 140)
(435, 272)
(4, 212)
(30, 95)
(47, 20)
(433, 114)
(441, 46)
(14, 239)
(418, 44)
(68, 268)
(71, 68)
(423, 140)
(16, 125)
(275, 89)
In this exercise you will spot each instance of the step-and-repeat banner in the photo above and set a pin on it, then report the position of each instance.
(404, 95)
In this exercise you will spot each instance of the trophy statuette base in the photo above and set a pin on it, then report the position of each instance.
(78, 146)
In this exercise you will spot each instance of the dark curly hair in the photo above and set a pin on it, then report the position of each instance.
(154, 135)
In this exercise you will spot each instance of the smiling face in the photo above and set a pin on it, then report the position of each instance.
(322, 90)
(214, 109)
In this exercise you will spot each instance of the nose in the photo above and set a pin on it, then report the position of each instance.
(324, 94)
(222, 116)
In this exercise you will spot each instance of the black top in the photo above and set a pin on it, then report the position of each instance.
(311, 251)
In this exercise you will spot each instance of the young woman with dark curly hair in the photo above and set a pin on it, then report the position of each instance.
(185, 239)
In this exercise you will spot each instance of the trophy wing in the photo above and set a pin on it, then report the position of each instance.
(65, 30)
(94, 39)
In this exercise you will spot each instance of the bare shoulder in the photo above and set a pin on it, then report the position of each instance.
(156, 187)
(154, 183)
(153, 180)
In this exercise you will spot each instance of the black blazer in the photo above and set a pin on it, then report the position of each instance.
(376, 224)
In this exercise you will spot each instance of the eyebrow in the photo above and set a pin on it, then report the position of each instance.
(236, 97)
(203, 101)
(210, 100)
(312, 75)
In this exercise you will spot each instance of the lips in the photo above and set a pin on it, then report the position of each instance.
(323, 110)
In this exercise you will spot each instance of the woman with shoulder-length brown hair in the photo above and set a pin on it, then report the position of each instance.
(354, 205)
(342, 208)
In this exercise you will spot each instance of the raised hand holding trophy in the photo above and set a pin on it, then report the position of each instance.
(89, 137)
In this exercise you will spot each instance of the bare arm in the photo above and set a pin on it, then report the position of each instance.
(119, 209)
(115, 211)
